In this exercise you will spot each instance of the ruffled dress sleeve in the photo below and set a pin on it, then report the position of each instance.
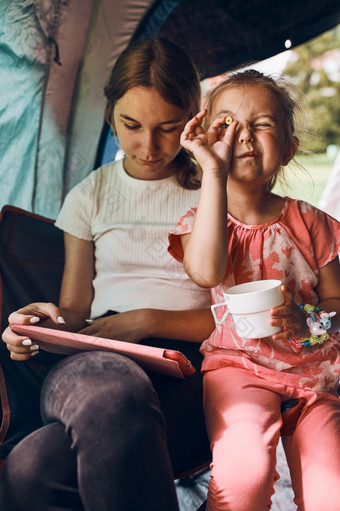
(184, 226)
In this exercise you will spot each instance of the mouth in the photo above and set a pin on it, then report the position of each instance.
(248, 154)
(149, 162)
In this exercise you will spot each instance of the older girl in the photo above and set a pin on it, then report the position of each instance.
(108, 443)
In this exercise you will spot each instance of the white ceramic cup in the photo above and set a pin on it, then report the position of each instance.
(249, 305)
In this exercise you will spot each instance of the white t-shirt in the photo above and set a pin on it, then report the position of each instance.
(129, 220)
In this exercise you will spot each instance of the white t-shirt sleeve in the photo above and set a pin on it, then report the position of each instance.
(76, 214)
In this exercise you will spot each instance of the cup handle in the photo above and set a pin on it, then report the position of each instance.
(217, 320)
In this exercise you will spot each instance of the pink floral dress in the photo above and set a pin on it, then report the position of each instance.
(291, 248)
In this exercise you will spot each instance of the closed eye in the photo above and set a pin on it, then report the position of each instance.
(134, 127)
(262, 125)
(168, 130)
(131, 126)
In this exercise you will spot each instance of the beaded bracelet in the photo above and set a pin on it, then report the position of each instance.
(318, 322)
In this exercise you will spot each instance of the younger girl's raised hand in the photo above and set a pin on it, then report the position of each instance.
(290, 317)
(213, 148)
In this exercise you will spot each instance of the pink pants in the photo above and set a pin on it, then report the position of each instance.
(243, 420)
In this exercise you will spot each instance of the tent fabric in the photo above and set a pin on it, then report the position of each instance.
(55, 57)
(34, 118)
(221, 35)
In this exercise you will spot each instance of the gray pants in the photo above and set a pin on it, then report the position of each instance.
(111, 442)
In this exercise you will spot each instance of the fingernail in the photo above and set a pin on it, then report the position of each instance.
(34, 347)
(61, 320)
(34, 353)
(26, 342)
(35, 319)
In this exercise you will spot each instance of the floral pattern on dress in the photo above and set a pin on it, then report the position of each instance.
(290, 248)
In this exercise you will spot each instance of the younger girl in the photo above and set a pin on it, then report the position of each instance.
(247, 234)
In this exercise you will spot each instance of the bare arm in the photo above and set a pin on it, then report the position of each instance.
(133, 326)
(205, 249)
(76, 293)
(189, 325)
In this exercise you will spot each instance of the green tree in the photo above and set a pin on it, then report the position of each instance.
(320, 87)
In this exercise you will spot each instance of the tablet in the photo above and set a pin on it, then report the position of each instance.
(170, 362)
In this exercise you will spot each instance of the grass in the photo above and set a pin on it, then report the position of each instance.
(306, 183)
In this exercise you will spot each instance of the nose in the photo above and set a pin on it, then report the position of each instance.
(149, 144)
(245, 135)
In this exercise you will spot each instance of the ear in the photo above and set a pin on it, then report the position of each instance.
(113, 129)
(109, 116)
(290, 151)
(110, 122)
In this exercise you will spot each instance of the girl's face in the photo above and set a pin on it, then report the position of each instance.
(260, 145)
(148, 129)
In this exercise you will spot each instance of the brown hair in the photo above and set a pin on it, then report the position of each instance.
(164, 66)
(283, 91)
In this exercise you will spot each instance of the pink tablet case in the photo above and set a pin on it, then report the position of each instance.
(170, 362)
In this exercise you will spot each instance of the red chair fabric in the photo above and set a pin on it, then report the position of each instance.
(31, 266)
